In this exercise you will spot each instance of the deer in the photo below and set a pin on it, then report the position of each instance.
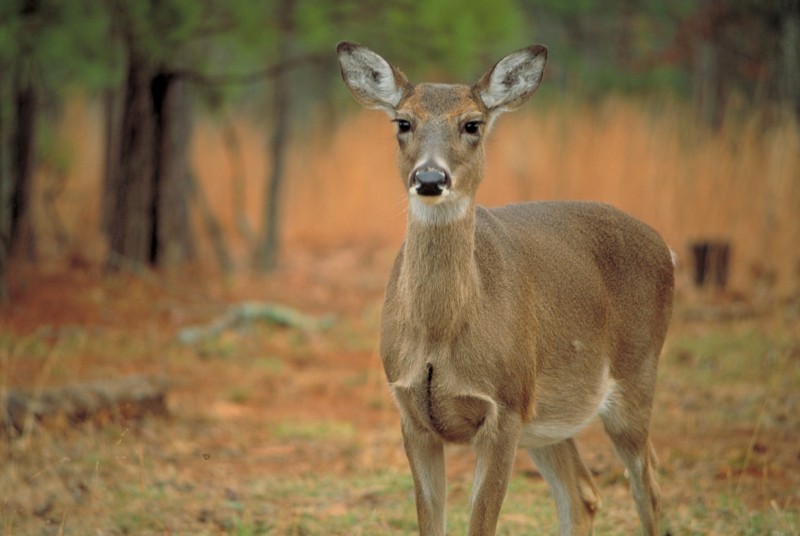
(513, 327)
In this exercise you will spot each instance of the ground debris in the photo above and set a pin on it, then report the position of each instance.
(251, 311)
(131, 397)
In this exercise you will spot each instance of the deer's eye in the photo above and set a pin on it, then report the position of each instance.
(403, 125)
(472, 127)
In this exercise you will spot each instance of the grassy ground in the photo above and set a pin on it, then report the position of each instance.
(276, 431)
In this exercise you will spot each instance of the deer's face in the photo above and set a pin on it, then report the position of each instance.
(440, 127)
(440, 130)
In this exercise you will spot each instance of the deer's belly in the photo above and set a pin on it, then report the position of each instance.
(559, 418)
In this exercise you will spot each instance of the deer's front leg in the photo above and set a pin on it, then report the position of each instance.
(495, 461)
(425, 454)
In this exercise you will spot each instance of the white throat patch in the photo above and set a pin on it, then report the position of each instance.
(449, 208)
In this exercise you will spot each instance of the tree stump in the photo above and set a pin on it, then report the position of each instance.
(711, 263)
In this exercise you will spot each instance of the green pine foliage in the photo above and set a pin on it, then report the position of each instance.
(596, 46)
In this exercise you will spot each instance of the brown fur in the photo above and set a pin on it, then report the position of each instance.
(513, 326)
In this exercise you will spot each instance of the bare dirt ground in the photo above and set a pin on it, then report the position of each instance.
(276, 430)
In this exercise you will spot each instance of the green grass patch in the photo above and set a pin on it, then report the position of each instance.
(730, 355)
(729, 515)
(271, 364)
(240, 394)
(315, 431)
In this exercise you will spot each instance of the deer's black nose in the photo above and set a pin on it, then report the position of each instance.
(430, 181)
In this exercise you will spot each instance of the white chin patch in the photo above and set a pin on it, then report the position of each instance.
(438, 209)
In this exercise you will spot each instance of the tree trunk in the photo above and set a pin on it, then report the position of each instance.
(111, 133)
(5, 193)
(23, 165)
(172, 242)
(790, 43)
(212, 226)
(267, 255)
(269, 245)
(147, 179)
(131, 180)
(707, 91)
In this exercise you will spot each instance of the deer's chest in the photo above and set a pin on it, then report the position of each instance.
(436, 394)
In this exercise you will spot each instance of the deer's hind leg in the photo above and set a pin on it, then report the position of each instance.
(626, 421)
(576, 496)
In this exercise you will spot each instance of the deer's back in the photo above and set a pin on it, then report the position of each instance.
(626, 252)
(584, 265)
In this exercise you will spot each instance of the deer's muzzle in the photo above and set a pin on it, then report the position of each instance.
(429, 181)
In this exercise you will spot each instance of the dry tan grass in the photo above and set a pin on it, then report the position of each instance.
(652, 159)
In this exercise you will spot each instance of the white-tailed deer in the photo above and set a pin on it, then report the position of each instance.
(516, 326)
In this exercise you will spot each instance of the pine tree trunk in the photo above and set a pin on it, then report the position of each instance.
(707, 91)
(112, 130)
(147, 183)
(172, 234)
(23, 163)
(131, 180)
(5, 193)
(267, 255)
(790, 43)
(269, 244)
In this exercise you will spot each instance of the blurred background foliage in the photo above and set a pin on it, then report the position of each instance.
(155, 64)
(597, 46)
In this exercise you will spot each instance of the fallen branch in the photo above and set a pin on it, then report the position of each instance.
(253, 312)
(128, 398)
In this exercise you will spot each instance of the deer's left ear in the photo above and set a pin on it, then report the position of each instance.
(513, 79)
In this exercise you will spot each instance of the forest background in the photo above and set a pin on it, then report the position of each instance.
(148, 134)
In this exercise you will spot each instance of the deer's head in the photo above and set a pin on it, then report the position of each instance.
(441, 127)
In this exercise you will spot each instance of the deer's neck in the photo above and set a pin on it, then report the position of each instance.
(439, 275)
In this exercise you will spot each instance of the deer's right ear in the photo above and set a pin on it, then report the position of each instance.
(370, 78)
